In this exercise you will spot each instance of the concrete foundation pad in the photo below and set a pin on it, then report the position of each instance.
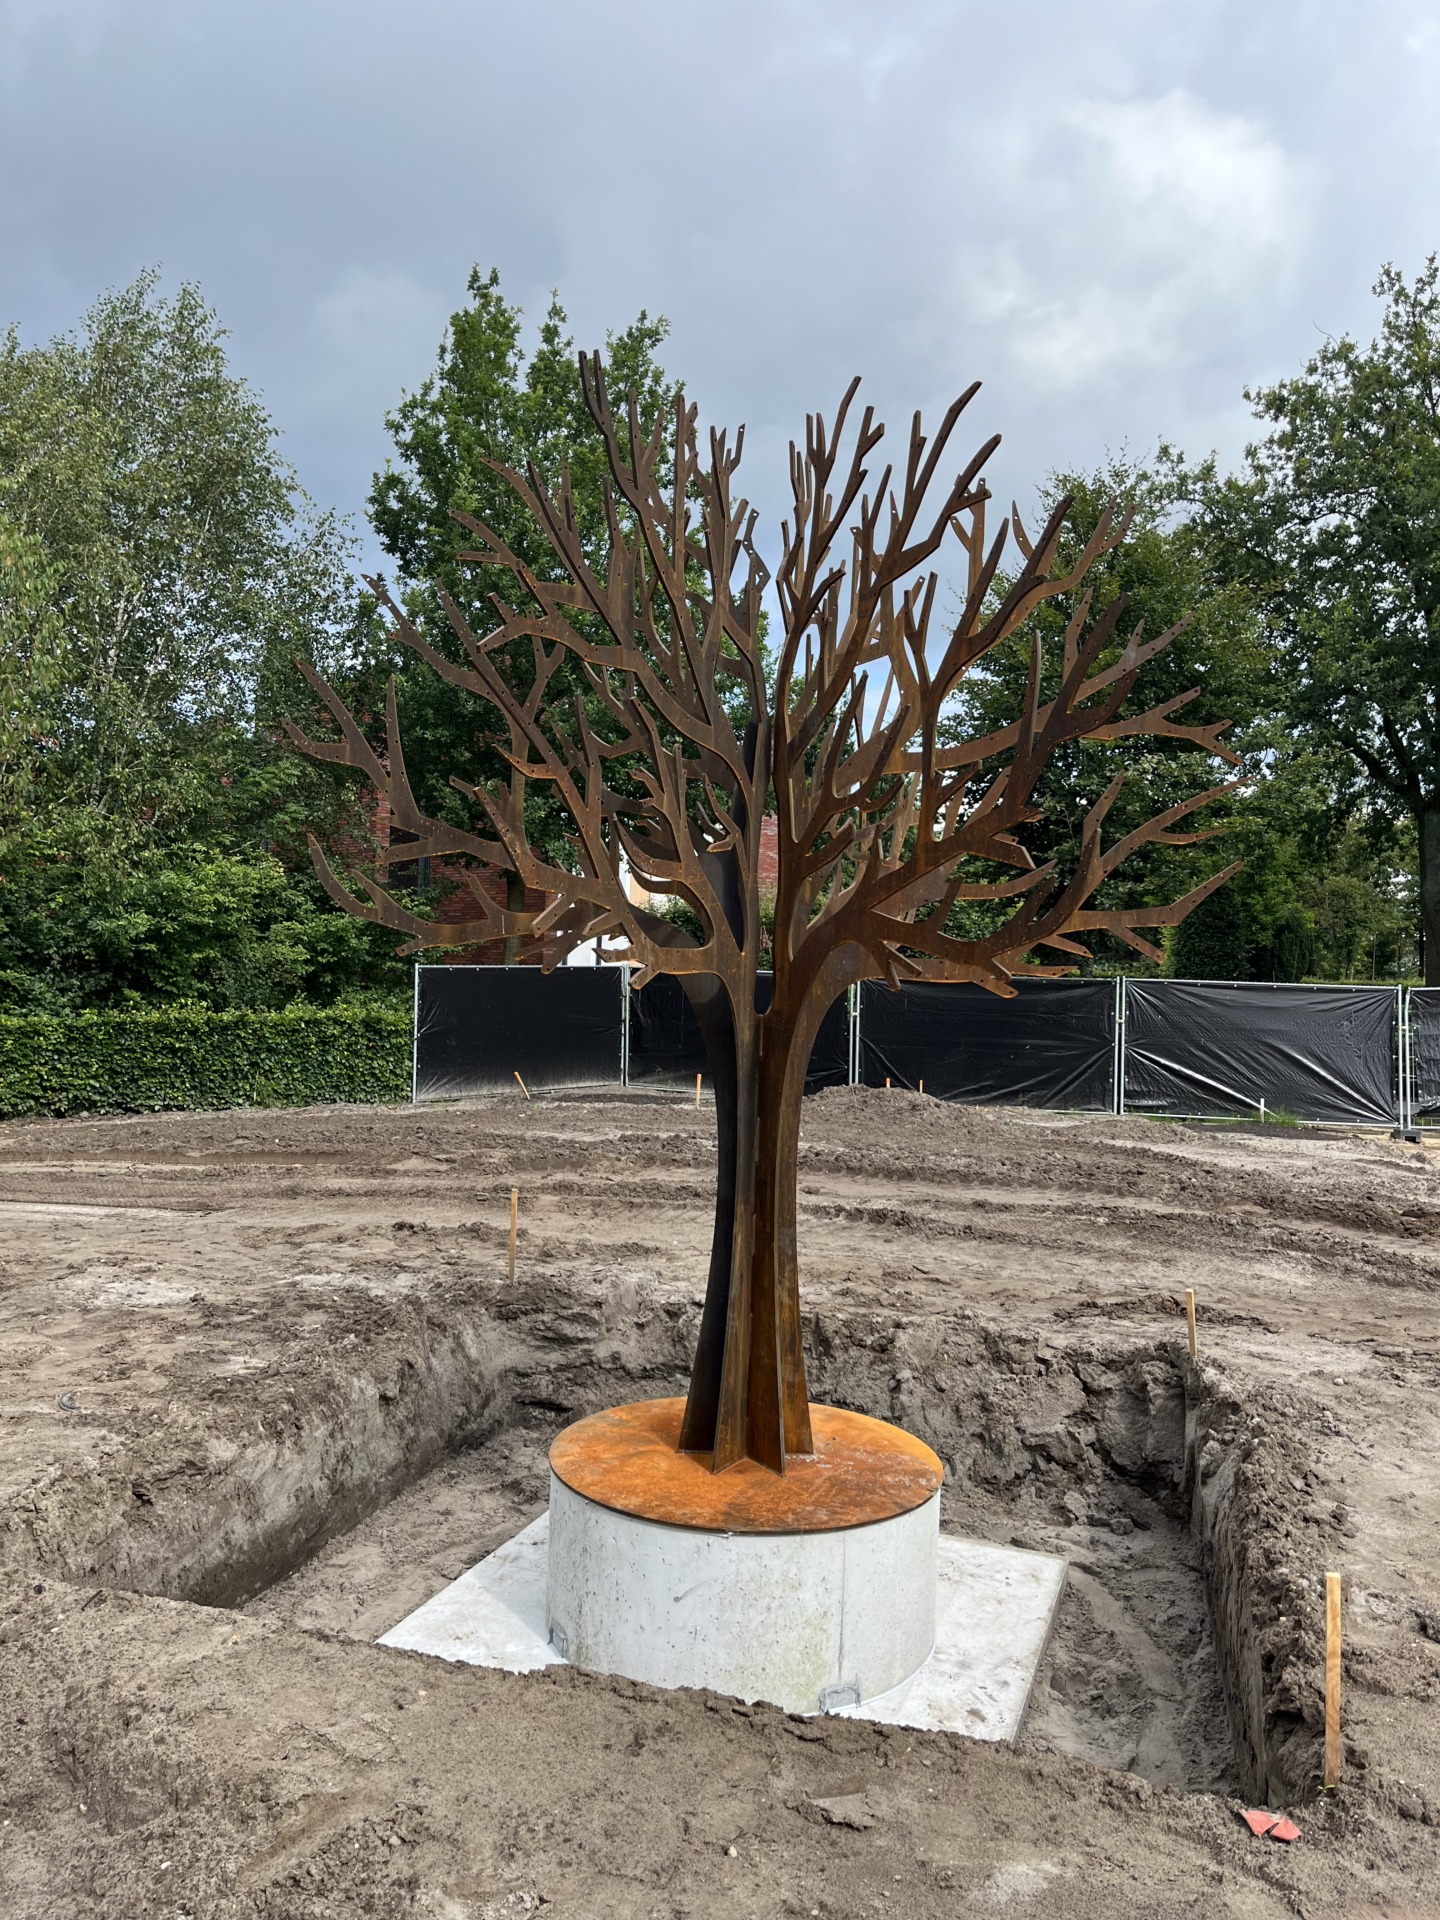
(995, 1608)
(493, 1615)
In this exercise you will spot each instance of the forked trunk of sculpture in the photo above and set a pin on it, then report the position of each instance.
(732, 1056)
(748, 1394)
(776, 1396)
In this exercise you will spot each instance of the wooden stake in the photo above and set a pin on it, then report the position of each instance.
(1190, 1322)
(887, 1082)
(697, 1089)
(514, 1228)
(922, 1086)
(521, 1084)
(1332, 1679)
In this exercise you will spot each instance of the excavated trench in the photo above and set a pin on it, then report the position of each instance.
(1178, 1652)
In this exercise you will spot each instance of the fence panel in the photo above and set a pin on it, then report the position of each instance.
(1191, 1047)
(1424, 1053)
(1052, 1045)
(666, 1048)
(476, 1027)
(1216, 1047)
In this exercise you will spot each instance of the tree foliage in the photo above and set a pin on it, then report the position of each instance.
(32, 667)
(187, 568)
(1335, 528)
(1323, 889)
(160, 571)
(1161, 578)
(489, 405)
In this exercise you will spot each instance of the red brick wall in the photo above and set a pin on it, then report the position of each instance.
(769, 853)
(460, 904)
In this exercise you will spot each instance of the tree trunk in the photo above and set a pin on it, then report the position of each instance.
(777, 1401)
(514, 903)
(748, 1394)
(1428, 823)
(733, 1075)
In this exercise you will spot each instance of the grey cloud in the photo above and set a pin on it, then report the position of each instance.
(1115, 216)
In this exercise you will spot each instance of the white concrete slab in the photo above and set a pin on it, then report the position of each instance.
(493, 1615)
(996, 1607)
(995, 1611)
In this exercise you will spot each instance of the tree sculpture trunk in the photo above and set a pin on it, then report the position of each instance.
(515, 905)
(747, 1386)
(748, 1392)
(732, 1062)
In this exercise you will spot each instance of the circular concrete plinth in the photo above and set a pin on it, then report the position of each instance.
(814, 1589)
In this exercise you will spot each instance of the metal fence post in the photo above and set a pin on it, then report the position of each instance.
(853, 995)
(1117, 1102)
(415, 1038)
(624, 1025)
(1404, 1061)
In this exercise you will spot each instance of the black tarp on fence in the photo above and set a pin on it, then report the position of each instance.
(1221, 1047)
(1209, 1047)
(1424, 1052)
(665, 1043)
(477, 1027)
(666, 1048)
(1052, 1045)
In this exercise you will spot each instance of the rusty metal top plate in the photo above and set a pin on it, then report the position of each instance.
(862, 1470)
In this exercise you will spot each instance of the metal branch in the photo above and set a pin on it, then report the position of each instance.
(610, 678)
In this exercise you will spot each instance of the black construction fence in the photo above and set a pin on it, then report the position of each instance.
(476, 1028)
(1202, 1049)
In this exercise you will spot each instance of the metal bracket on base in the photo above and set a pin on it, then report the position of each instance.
(845, 1694)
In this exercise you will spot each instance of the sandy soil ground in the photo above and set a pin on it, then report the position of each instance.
(265, 1387)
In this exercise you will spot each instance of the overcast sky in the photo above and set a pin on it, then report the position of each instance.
(1115, 215)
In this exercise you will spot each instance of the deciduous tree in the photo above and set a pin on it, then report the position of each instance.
(1336, 528)
(490, 405)
(160, 570)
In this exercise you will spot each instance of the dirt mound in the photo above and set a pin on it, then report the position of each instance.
(267, 1387)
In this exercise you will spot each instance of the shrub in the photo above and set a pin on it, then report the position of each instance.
(142, 1062)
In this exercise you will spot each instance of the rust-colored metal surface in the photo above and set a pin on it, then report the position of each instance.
(627, 678)
(862, 1470)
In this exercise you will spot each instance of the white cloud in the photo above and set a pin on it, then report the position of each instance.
(1169, 221)
(1208, 188)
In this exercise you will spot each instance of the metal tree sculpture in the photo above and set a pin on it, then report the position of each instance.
(680, 737)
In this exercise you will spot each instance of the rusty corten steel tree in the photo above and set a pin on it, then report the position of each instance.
(680, 739)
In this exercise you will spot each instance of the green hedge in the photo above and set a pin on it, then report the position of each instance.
(185, 1057)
